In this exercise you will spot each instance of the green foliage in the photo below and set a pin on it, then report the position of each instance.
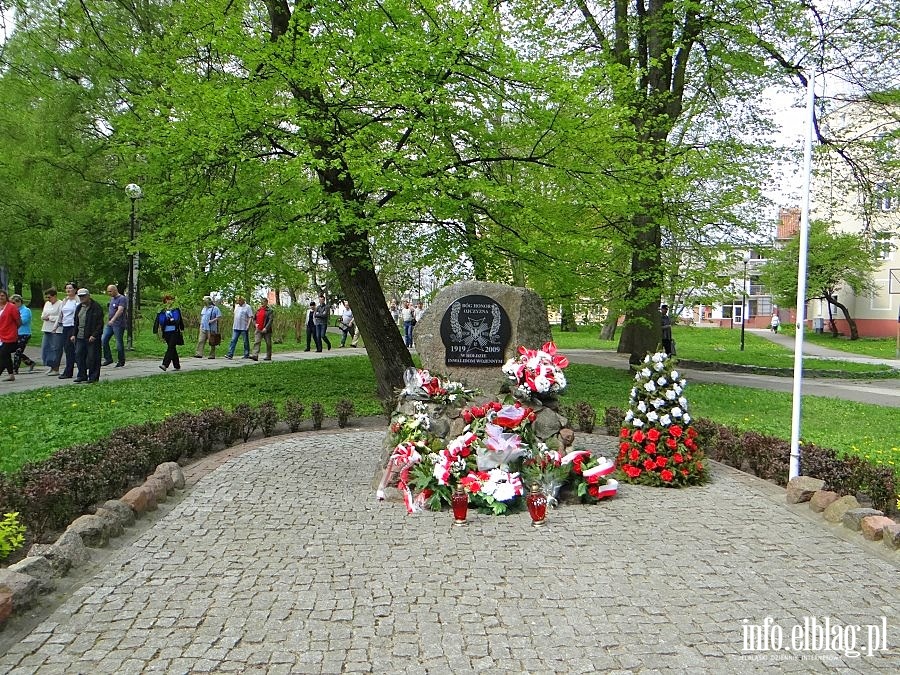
(12, 534)
(834, 259)
(267, 416)
(317, 411)
(293, 414)
(344, 410)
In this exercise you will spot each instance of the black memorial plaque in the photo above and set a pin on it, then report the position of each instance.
(475, 330)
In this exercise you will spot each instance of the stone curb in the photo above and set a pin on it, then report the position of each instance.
(872, 524)
(22, 583)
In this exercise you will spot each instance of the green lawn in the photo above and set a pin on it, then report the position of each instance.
(879, 348)
(718, 345)
(38, 422)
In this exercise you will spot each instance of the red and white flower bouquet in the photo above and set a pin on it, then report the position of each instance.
(536, 372)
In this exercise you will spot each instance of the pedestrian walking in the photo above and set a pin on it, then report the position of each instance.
(170, 326)
(311, 334)
(666, 323)
(320, 319)
(51, 330)
(348, 326)
(243, 315)
(69, 306)
(86, 336)
(775, 323)
(24, 335)
(115, 325)
(264, 318)
(408, 318)
(9, 335)
(209, 328)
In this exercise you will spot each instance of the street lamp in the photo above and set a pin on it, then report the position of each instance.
(134, 193)
(744, 299)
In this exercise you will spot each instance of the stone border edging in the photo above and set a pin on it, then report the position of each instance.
(874, 525)
(23, 582)
(887, 374)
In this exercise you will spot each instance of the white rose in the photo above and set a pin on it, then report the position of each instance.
(662, 382)
(678, 389)
(650, 387)
(674, 375)
(642, 407)
(633, 392)
(665, 420)
(686, 419)
(637, 422)
(682, 401)
(683, 382)
(657, 403)
(670, 395)
(658, 367)
(629, 416)
(676, 411)
(652, 416)
(659, 357)
(646, 372)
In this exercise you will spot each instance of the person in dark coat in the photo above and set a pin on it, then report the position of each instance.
(88, 331)
(170, 325)
(311, 334)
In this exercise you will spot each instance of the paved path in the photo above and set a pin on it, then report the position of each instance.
(820, 352)
(278, 563)
(877, 391)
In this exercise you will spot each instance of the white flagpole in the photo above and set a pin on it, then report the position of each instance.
(801, 278)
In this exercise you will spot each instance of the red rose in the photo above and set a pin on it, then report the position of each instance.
(649, 464)
(465, 452)
(677, 458)
(623, 433)
(633, 455)
(666, 475)
(690, 444)
(532, 416)
(593, 480)
(650, 448)
(675, 430)
(467, 415)
(624, 445)
(661, 461)
(594, 491)
(684, 473)
(691, 432)
(632, 471)
(671, 443)
(699, 466)
(653, 435)
(638, 436)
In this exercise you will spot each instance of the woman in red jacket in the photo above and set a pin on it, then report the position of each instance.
(9, 334)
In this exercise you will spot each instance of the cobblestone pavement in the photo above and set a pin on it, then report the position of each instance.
(280, 561)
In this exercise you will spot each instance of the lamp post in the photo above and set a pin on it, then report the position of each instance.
(134, 193)
(744, 299)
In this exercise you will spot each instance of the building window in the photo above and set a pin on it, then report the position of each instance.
(760, 307)
(886, 197)
(881, 241)
(727, 311)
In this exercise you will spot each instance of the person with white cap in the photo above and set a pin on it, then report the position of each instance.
(87, 337)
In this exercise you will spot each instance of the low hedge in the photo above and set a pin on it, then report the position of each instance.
(769, 458)
(50, 493)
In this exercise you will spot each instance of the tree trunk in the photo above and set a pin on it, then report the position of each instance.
(351, 259)
(567, 322)
(608, 331)
(37, 294)
(642, 330)
(854, 331)
(831, 322)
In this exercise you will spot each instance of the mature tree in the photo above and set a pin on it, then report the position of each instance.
(835, 260)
